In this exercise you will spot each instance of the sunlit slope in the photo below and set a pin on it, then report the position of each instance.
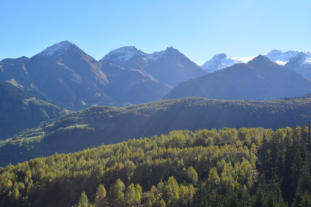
(228, 167)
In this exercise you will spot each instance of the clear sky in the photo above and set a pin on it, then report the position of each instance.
(198, 28)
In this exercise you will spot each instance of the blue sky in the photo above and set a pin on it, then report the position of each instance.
(198, 28)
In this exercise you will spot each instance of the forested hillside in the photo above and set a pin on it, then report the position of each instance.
(107, 125)
(247, 167)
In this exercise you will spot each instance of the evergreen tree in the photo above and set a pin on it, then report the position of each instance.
(193, 175)
(117, 194)
(84, 201)
(100, 198)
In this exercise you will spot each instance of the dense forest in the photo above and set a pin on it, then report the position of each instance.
(254, 167)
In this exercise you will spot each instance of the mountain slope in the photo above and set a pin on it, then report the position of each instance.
(132, 86)
(259, 79)
(301, 64)
(107, 125)
(67, 76)
(169, 66)
(62, 73)
(19, 110)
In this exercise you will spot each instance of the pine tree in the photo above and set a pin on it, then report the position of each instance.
(117, 194)
(84, 201)
(100, 196)
(193, 175)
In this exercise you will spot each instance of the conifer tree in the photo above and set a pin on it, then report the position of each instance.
(84, 201)
(117, 194)
(193, 175)
(100, 196)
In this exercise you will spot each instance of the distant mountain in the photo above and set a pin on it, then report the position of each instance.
(169, 66)
(107, 125)
(282, 57)
(257, 80)
(19, 110)
(220, 61)
(301, 64)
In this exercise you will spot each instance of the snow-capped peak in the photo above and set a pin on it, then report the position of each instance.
(123, 54)
(156, 55)
(220, 61)
(59, 49)
(282, 58)
(277, 55)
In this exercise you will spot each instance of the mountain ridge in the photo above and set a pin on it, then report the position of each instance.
(258, 79)
(67, 76)
(221, 60)
(107, 125)
(157, 64)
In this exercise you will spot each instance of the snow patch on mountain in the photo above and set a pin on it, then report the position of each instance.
(242, 59)
(123, 54)
(277, 55)
(283, 58)
(280, 62)
(59, 49)
(308, 60)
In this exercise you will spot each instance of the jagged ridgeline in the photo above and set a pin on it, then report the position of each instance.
(246, 167)
(108, 125)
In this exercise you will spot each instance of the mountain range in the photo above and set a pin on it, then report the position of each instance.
(68, 77)
(64, 76)
(259, 79)
(300, 62)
